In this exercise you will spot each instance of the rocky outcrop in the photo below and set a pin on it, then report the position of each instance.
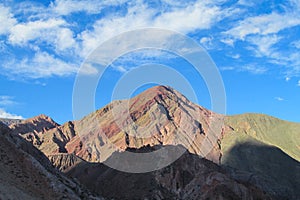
(25, 173)
(189, 177)
(38, 124)
(8, 122)
(64, 162)
(32, 129)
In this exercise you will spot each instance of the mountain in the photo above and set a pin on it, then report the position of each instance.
(189, 177)
(25, 172)
(249, 148)
(32, 129)
(269, 168)
(159, 116)
(8, 122)
(268, 148)
(264, 128)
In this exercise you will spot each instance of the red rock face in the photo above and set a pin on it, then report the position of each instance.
(158, 116)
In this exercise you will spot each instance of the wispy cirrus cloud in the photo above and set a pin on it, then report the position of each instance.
(263, 45)
(50, 36)
(296, 44)
(253, 69)
(264, 24)
(66, 7)
(7, 100)
(265, 36)
(195, 16)
(65, 32)
(41, 65)
(279, 98)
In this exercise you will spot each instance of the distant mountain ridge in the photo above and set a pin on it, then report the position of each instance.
(163, 117)
(10, 121)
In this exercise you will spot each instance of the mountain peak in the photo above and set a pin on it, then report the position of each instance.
(155, 91)
(160, 94)
(160, 89)
(38, 123)
(42, 118)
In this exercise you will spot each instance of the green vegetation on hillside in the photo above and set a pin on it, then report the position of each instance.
(264, 128)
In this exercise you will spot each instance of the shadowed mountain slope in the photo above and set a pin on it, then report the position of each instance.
(25, 173)
(264, 128)
(268, 167)
(189, 177)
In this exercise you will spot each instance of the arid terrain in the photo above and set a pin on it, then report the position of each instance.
(248, 156)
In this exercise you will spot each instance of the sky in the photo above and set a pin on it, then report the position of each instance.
(254, 44)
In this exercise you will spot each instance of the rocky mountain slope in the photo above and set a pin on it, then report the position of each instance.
(189, 177)
(8, 122)
(159, 116)
(25, 173)
(162, 116)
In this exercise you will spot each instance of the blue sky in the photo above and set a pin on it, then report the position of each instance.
(255, 45)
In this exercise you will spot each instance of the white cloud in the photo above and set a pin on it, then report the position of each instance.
(89, 69)
(7, 19)
(228, 41)
(264, 44)
(200, 15)
(287, 79)
(52, 31)
(298, 84)
(279, 98)
(120, 68)
(227, 68)
(263, 34)
(24, 32)
(245, 3)
(264, 24)
(40, 66)
(296, 44)
(64, 39)
(45, 30)
(66, 7)
(4, 114)
(196, 16)
(253, 69)
(6, 100)
(236, 56)
(106, 28)
(207, 42)
(289, 61)
(246, 68)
